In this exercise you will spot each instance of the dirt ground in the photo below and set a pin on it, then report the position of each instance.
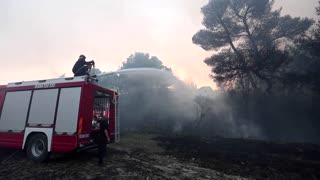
(248, 158)
(149, 156)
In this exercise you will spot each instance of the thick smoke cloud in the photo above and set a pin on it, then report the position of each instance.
(156, 99)
(152, 99)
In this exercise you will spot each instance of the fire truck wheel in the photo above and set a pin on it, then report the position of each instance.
(37, 147)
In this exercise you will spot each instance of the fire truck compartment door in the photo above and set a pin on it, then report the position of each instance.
(68, 109)
(14, 112)
(43, 107)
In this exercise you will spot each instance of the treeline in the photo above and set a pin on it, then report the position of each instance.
(266, 65)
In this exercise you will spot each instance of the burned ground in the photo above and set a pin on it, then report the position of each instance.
(150, 156)
(248, 158)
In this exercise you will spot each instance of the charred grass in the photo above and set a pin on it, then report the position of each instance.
(159, 156)
(247, 158)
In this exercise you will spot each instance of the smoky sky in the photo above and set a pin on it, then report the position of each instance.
(42, 39)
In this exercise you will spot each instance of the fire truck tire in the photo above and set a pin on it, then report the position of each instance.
(37, 147)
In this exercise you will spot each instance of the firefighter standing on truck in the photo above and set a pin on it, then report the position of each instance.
(81, 67)
(103, 138)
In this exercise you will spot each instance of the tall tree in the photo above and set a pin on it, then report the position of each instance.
(143, 60)
(249, 39)
(311, 41)
(304, 71)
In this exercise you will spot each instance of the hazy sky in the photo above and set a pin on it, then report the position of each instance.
(41, 39)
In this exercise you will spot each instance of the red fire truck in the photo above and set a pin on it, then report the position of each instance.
(55, 115)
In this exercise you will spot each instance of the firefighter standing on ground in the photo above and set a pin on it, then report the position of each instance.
(103, 138)
(81, 67)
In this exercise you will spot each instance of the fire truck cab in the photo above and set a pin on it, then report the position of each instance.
(55, 115)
